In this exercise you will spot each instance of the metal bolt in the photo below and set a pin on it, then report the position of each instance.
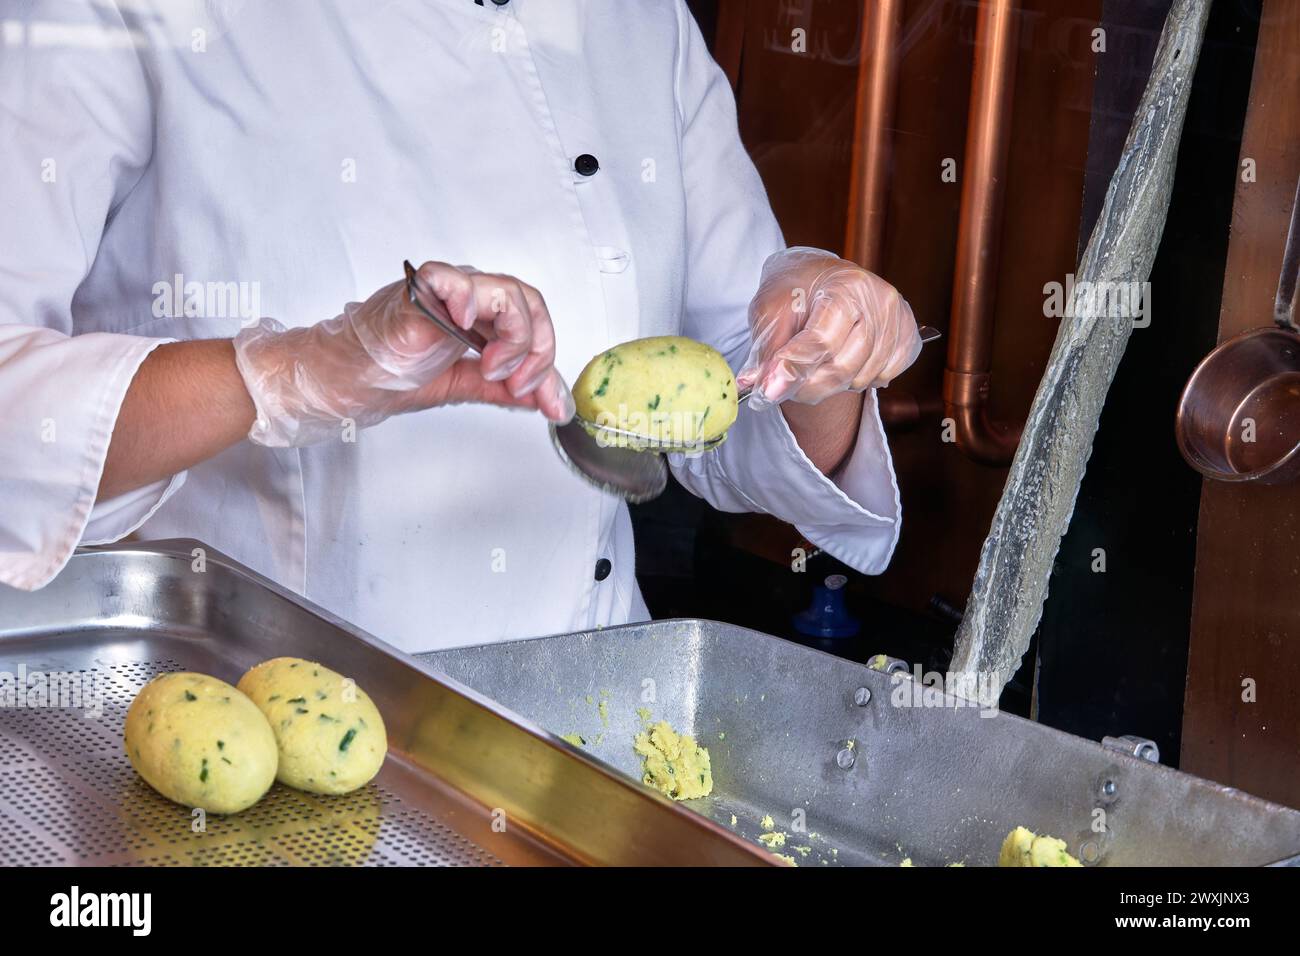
(862, 697)
(1109, 788)
(846, 759)
(1089, 853)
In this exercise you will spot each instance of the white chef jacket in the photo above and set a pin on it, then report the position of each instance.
(281, 158)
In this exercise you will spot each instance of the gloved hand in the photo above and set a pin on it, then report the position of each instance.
(822, 325)
(383, 357)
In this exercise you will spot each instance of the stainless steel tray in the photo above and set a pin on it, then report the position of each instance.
(465, 782)
(875, 783)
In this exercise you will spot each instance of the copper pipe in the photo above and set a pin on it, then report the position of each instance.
(873, 123)
(970, 340)
(902, 411)
(877, 93)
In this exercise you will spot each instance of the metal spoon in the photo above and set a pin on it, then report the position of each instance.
(618, 469)
(617, 461)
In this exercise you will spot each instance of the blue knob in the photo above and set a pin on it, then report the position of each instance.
(827, 615)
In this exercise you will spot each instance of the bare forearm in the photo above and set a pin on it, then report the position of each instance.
(828, 430)
(186, 403)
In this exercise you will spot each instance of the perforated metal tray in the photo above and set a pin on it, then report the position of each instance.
(466, 782)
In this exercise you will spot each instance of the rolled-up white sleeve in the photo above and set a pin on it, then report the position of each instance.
(75, 135)
(730, 232)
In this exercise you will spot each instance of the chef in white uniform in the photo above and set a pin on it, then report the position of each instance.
(203, 217)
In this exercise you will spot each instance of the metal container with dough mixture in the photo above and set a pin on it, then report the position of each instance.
(472, 777)
(870, 776)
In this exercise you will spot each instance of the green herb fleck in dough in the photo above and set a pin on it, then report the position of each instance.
(321, 695)
(226, 761)
(604, 384)
(297, 700)
(655, 404)
(189, 696)
(273, 697)
(203, 774)
(301, 710)
(221, 745)
(347, 740)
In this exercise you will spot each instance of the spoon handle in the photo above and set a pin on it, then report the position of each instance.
(928, 334)
(437, 313)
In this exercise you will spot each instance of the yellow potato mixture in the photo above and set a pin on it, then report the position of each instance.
(669, 389)
(1023, 847)
(330, 735)
(674, 763)
(200, 742)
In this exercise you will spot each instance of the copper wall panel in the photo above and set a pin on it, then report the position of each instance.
(796, 114)
(1245, 617)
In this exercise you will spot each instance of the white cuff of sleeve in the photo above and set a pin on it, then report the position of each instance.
(114, 519)
(856, 518)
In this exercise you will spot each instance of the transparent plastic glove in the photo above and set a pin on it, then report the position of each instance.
(382, 357)
(821, 325)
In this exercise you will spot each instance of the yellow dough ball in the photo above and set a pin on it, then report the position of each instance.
(674, 763)
(330, 734)
(669, 389)
(1023, 847)
(200, 742)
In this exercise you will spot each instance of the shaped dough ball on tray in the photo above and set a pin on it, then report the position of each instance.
(330, 734)
(200, 742)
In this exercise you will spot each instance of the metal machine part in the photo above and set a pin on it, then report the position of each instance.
(1139, 747)
(465, 782)
(857, 766)
(1010, 585)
